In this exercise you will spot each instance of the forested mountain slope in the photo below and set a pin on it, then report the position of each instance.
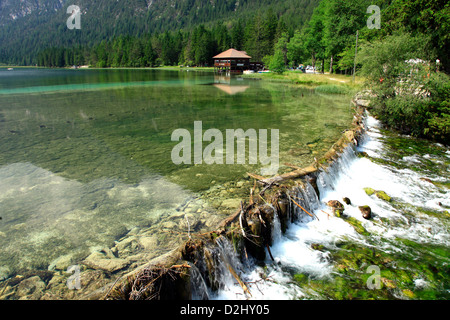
(29, 26)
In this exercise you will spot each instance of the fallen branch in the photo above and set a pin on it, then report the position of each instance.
(290, 175)
(304, 209)
(255, 176)
(240, 221)
(293, 166)
(329, 215)
(184, 265)
(230, 219)
(238, 279)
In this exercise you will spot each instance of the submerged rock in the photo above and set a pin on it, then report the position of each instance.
(5, 272)
(231, 203)
(100, 261)
(31, 288)
(61, 263)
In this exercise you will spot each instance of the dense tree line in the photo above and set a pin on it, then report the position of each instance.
(326, 40)
(195, 47)
(23, 38)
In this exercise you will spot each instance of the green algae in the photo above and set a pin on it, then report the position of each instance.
(382, 195)
(356, 224)
(369, 191)
(379, 193)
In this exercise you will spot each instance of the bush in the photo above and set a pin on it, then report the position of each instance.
(277, 63)
(410, 97)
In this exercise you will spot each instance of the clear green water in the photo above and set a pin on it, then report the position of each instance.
(85, 155)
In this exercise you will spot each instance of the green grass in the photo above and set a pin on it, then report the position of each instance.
(324, 83)
(332, 89)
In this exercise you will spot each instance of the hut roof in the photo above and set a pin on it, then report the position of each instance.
(232, 53)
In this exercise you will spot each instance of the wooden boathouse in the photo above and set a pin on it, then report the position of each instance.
(232, 61)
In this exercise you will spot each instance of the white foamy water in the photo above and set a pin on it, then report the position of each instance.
(348, 177)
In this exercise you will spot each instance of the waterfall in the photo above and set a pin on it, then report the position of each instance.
(199, 288)
(276, 227)
(303, 251)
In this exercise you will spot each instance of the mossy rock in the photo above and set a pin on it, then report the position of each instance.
(369, 191)
(300, 278)
(357, 225)
(379, 193)
(366, 211)
(317, 246)
(382, 195)
(362, 154)
(346, 201)
(337, 208)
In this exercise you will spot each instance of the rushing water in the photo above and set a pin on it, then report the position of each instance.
(402, 252)
(85, 159)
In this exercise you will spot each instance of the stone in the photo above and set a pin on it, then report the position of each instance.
(4, 273)
(98, 260)
(337, 208)
(362, 102)
(169, 225)
(409, 293)
(379, 193)
(58, 280)
(382, 195)
(61, 263)
(366, 211)
(350, 135)
(357, 225)
(346, 201)
(388, 283)
(125, 243)
(148, 242)
(369, 191)
(30, 288)
(231, 203)
(362, 154)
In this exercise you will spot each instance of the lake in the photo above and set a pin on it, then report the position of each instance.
(86, 167)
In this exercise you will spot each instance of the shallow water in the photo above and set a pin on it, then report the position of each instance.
(85, 157)
(402, 252)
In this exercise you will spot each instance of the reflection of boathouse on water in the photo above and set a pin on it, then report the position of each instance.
(230, 85)
(234, 61)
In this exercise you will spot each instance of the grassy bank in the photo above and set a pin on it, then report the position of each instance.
(324, 83)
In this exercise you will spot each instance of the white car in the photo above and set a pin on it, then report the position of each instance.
(310, 69)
